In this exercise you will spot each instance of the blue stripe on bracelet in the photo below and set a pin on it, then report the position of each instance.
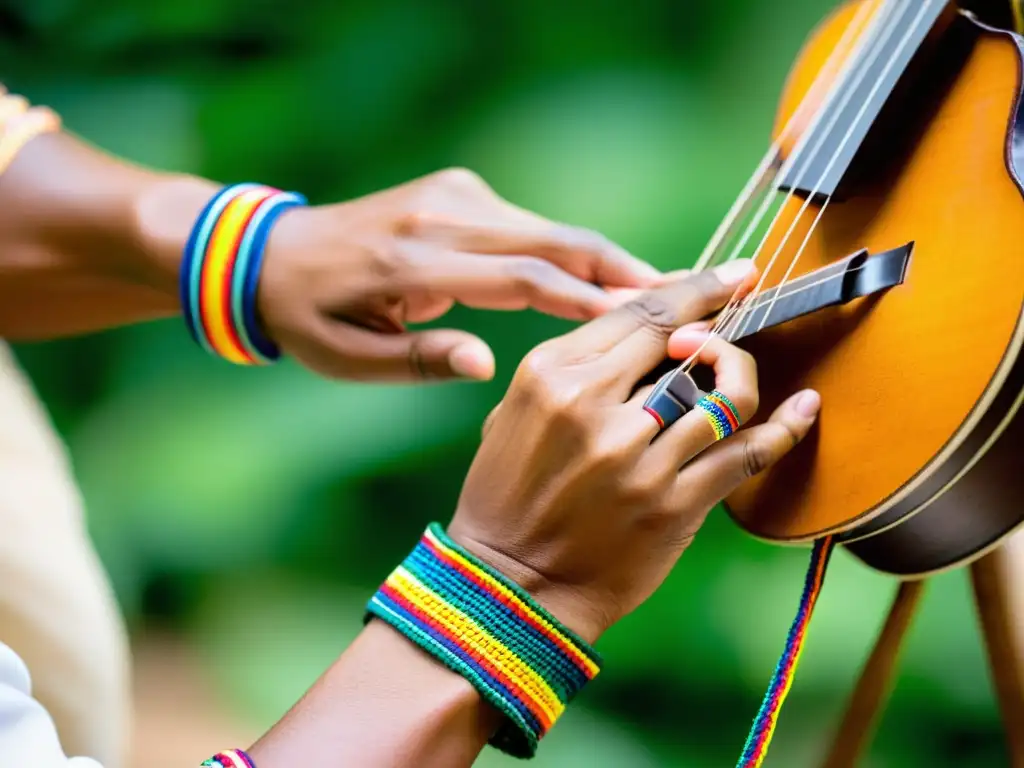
(448, 584)
(246, 275)
(397, 612)
(254, 249)
(195, 250)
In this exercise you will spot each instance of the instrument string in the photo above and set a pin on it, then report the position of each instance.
(837, 153)
(769, 167)
(870, 44)
(865, 40)
(794, 291)
(908, 35)
(797, 155)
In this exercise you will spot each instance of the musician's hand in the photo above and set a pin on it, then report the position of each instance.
(341, 281)
(567, 494)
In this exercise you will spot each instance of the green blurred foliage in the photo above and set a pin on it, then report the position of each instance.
(256, 510)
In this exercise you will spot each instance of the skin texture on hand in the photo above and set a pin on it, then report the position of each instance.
(89, 241)
(342, 282)
(569, 496)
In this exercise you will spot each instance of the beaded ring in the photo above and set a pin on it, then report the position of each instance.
(232, 758)
(221, 268)
(720, 412)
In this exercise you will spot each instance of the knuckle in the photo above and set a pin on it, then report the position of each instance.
(648, 489)
(530, 274)
(603, 453)
(541, 382)
(704, 293)
(756, 458)
(392, 260)
(654, 312)
(570, 239)
(459, 178)
(412, 223)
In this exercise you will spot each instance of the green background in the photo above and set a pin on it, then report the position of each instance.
(254, 511)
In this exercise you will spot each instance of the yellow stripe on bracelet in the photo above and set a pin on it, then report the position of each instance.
(21, 129)
(460, 625)
(581, 659)
(215, 300)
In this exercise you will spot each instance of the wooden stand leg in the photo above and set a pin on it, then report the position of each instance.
(875, 684)
(998, 581)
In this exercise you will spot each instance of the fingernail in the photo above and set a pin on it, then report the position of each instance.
(700, 325)
(472, 361)
(733, 272)
(808, 403)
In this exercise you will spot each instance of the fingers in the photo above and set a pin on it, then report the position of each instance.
(340, 350)
(508, 230)
(723, 467)
(735, 377)
(508, 283)
(636, 333)
(630, 341)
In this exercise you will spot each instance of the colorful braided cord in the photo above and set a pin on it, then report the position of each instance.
(720, 412)
(220, 271)
(232, 758)
(761, 732)
(485, 627)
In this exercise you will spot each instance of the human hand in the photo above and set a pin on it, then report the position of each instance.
(569, 497)
(340, 282)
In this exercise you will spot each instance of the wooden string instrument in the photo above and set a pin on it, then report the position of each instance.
(887, 221)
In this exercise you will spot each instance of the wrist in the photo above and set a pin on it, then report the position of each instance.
(567, 604)
(162, 214)
(98, 220)
(479, 623)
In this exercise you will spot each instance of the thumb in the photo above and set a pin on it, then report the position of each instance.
(344, 351)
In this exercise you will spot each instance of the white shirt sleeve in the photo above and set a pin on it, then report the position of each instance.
(28, 738)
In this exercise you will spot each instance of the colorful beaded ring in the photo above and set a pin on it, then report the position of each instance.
(720, 412)
(221, 268)
(232, 758)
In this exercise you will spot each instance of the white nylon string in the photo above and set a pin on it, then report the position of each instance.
(904, 41)
(823, 137)
(868, 39)
(873, 42)
(767, 171)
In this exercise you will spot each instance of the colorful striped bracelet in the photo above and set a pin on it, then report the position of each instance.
(232, 758)
(221, 268)
(485, 627)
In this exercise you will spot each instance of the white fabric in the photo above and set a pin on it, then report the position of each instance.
(57, 609)
(28, 738)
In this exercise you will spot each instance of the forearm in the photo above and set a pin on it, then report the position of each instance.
(383, 703)
(88, 241)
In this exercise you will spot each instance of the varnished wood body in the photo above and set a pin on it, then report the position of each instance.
(908, 380)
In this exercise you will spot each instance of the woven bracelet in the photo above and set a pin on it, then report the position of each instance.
(232, 758)
(482, 625)
(220, 271)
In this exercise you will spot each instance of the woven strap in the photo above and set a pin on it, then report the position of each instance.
(761, 732)
(480, 624)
